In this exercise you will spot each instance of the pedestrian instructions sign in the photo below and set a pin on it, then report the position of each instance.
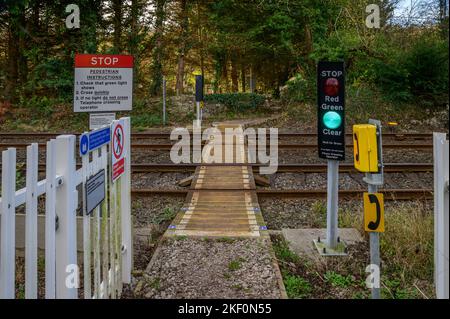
(103, 83)
(118, 149)
(374, 212)
(331, 110)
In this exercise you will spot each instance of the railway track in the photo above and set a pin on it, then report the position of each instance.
(159, 135)
(282, 168)
(389, 194)
(301, 146)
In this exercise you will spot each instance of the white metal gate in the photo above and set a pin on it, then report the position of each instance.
(107, 243)
(441, 218)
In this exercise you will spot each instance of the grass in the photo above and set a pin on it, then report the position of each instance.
(364, 103)
(318, 215)
(235, 264)
(338, 280)
(155, 284)
(297, 287)
(406, 246)
(283, 252)
(227, 240)
(167, 215)
(406, 250)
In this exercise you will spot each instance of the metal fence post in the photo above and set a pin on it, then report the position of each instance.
(50, 222)
(164, 100)
(127, 240)
(374, 239)
(8, 225)
(66, 204)
(332, 204)
(31, 228)
(441, 218)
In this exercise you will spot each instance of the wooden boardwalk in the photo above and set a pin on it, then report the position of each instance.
(222, 200)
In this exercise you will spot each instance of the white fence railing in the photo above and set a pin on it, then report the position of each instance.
(107, 243)
(441, 220)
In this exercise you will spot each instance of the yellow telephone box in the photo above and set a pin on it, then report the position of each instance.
(365, 149)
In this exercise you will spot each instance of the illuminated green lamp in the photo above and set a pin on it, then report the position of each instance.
(332, 120)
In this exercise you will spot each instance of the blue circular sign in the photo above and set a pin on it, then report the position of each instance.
(84, 144)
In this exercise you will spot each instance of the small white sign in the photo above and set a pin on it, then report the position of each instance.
(98, 120)
(95, 191)
(118, 149)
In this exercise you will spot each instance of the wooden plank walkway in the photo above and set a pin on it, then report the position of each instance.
(222, 200)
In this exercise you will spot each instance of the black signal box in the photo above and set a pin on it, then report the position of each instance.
(331, 110)
(199, 88)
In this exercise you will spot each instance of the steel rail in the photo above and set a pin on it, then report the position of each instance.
(161, 147)
(282, 168)
(389, 194)
(161, 135)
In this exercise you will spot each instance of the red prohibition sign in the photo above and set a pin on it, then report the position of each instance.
(119, 137)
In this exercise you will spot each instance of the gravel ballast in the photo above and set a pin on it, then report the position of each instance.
(206, 268)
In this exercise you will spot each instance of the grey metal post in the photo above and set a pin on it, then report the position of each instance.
(373, 181)
(375, 248)
(198, 113)
(164, 101)
(332, 203)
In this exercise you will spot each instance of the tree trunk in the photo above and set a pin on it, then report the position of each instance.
(234, 74)
(184, 24)
(117, 22)
(180, 75)
(23, 44)
(225, 75)
(243, 80)
(134, 37)
(157, 56)
(12, 75)
(252, 81)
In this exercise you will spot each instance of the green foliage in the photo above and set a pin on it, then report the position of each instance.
(42, 105)
(145, 120)
(155, 283)
(167, 215)
(283, 252)
(427, 65)
(419, 72)
(237, 102)
(394, 289)
(299, 89)
(227, 240)
(318, 214)
(52, 76)
(338, 280)
(296, 286)
(235, 264)
(407, 244)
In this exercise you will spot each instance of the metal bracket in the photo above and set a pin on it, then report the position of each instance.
(378, 178)
(321, 246)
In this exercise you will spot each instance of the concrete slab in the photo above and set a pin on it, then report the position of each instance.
(301, 240)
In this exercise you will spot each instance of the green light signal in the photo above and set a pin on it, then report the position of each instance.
(332, 120)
